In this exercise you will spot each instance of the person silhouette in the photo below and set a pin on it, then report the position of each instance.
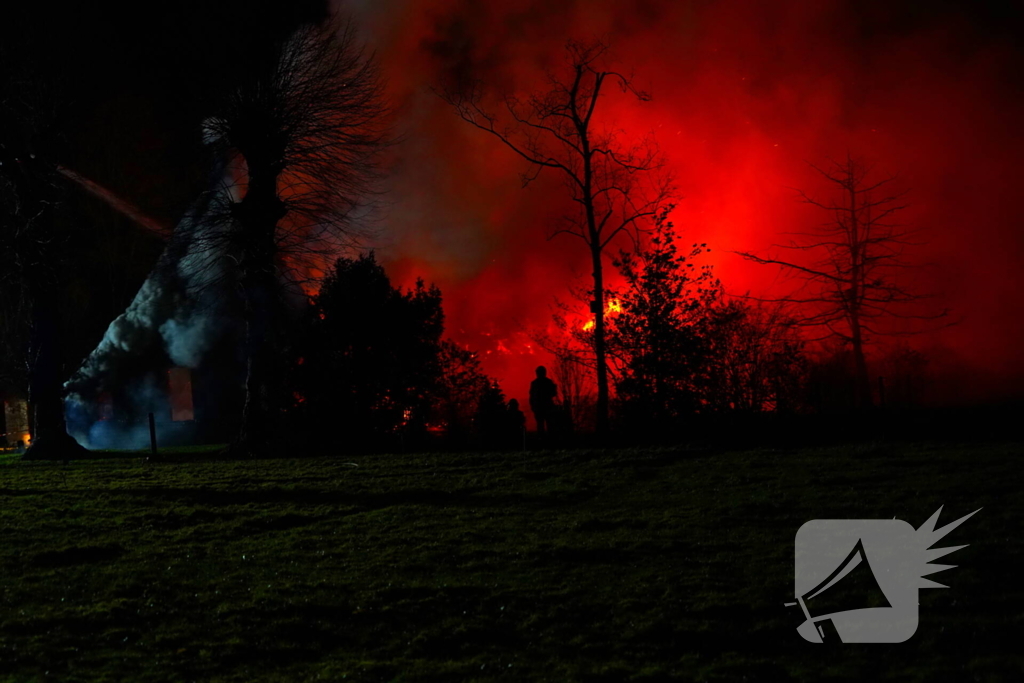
(542, 399)
(516, 423)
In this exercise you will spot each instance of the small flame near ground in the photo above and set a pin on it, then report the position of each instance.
(15, 418)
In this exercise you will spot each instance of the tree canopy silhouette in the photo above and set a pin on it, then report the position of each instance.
(307, 119)
(681, 347)
(659, 337)
(371, 367)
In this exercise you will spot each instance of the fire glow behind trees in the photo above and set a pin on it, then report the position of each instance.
(616, 184)
(745, 93)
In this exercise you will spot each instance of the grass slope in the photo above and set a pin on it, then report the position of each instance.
(638, 565)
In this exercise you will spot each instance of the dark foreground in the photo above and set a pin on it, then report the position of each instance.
(626, 565)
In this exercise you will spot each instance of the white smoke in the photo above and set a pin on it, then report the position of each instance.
(178, 309)
(187, 340)
(173, 307)
(116, 434)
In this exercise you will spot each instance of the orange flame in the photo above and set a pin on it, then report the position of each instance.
(611, 309)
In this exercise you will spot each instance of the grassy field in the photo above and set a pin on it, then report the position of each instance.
(628, 565)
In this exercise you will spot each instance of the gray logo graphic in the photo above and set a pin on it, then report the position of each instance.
(857, 579)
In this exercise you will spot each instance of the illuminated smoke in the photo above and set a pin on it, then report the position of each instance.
(178, 311)
(744, 93)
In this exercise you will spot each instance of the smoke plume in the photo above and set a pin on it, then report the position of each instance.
(178, 313)
(745, 94)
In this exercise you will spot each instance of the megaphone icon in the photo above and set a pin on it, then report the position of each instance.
(851, 586)
(861, 601)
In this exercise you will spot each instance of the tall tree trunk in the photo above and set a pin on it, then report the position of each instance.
(50, 438)
(258, 214)
(862, 382)
(595, 255)
(256, 431)
(599, 342)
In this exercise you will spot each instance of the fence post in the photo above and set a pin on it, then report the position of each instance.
(152, 433)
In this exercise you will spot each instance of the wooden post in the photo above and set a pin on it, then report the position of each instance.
(152, 433)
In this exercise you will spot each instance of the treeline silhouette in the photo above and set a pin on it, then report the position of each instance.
(371, 370)
(693, 365)
(666, 356)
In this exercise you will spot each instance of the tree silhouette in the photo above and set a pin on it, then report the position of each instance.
(463, 385)
(681, 347)
(372, 356)
(574, 380)
(34, 250)
(660, 337)
(852, 266)
(755, 360)
(615, 184)
(307, 120)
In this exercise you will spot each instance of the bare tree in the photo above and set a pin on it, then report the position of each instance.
(614, 183)
(852, 265)
(34, 252)
(756, 362)
(573, 378)
(308, 121)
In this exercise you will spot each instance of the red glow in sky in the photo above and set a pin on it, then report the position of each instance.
(745, 94)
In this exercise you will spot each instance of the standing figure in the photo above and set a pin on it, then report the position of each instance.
(516, 425)
(542, 399)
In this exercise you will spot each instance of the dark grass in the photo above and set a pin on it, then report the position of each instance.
(618, 565)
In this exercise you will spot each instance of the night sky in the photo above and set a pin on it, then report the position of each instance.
(745, 94)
